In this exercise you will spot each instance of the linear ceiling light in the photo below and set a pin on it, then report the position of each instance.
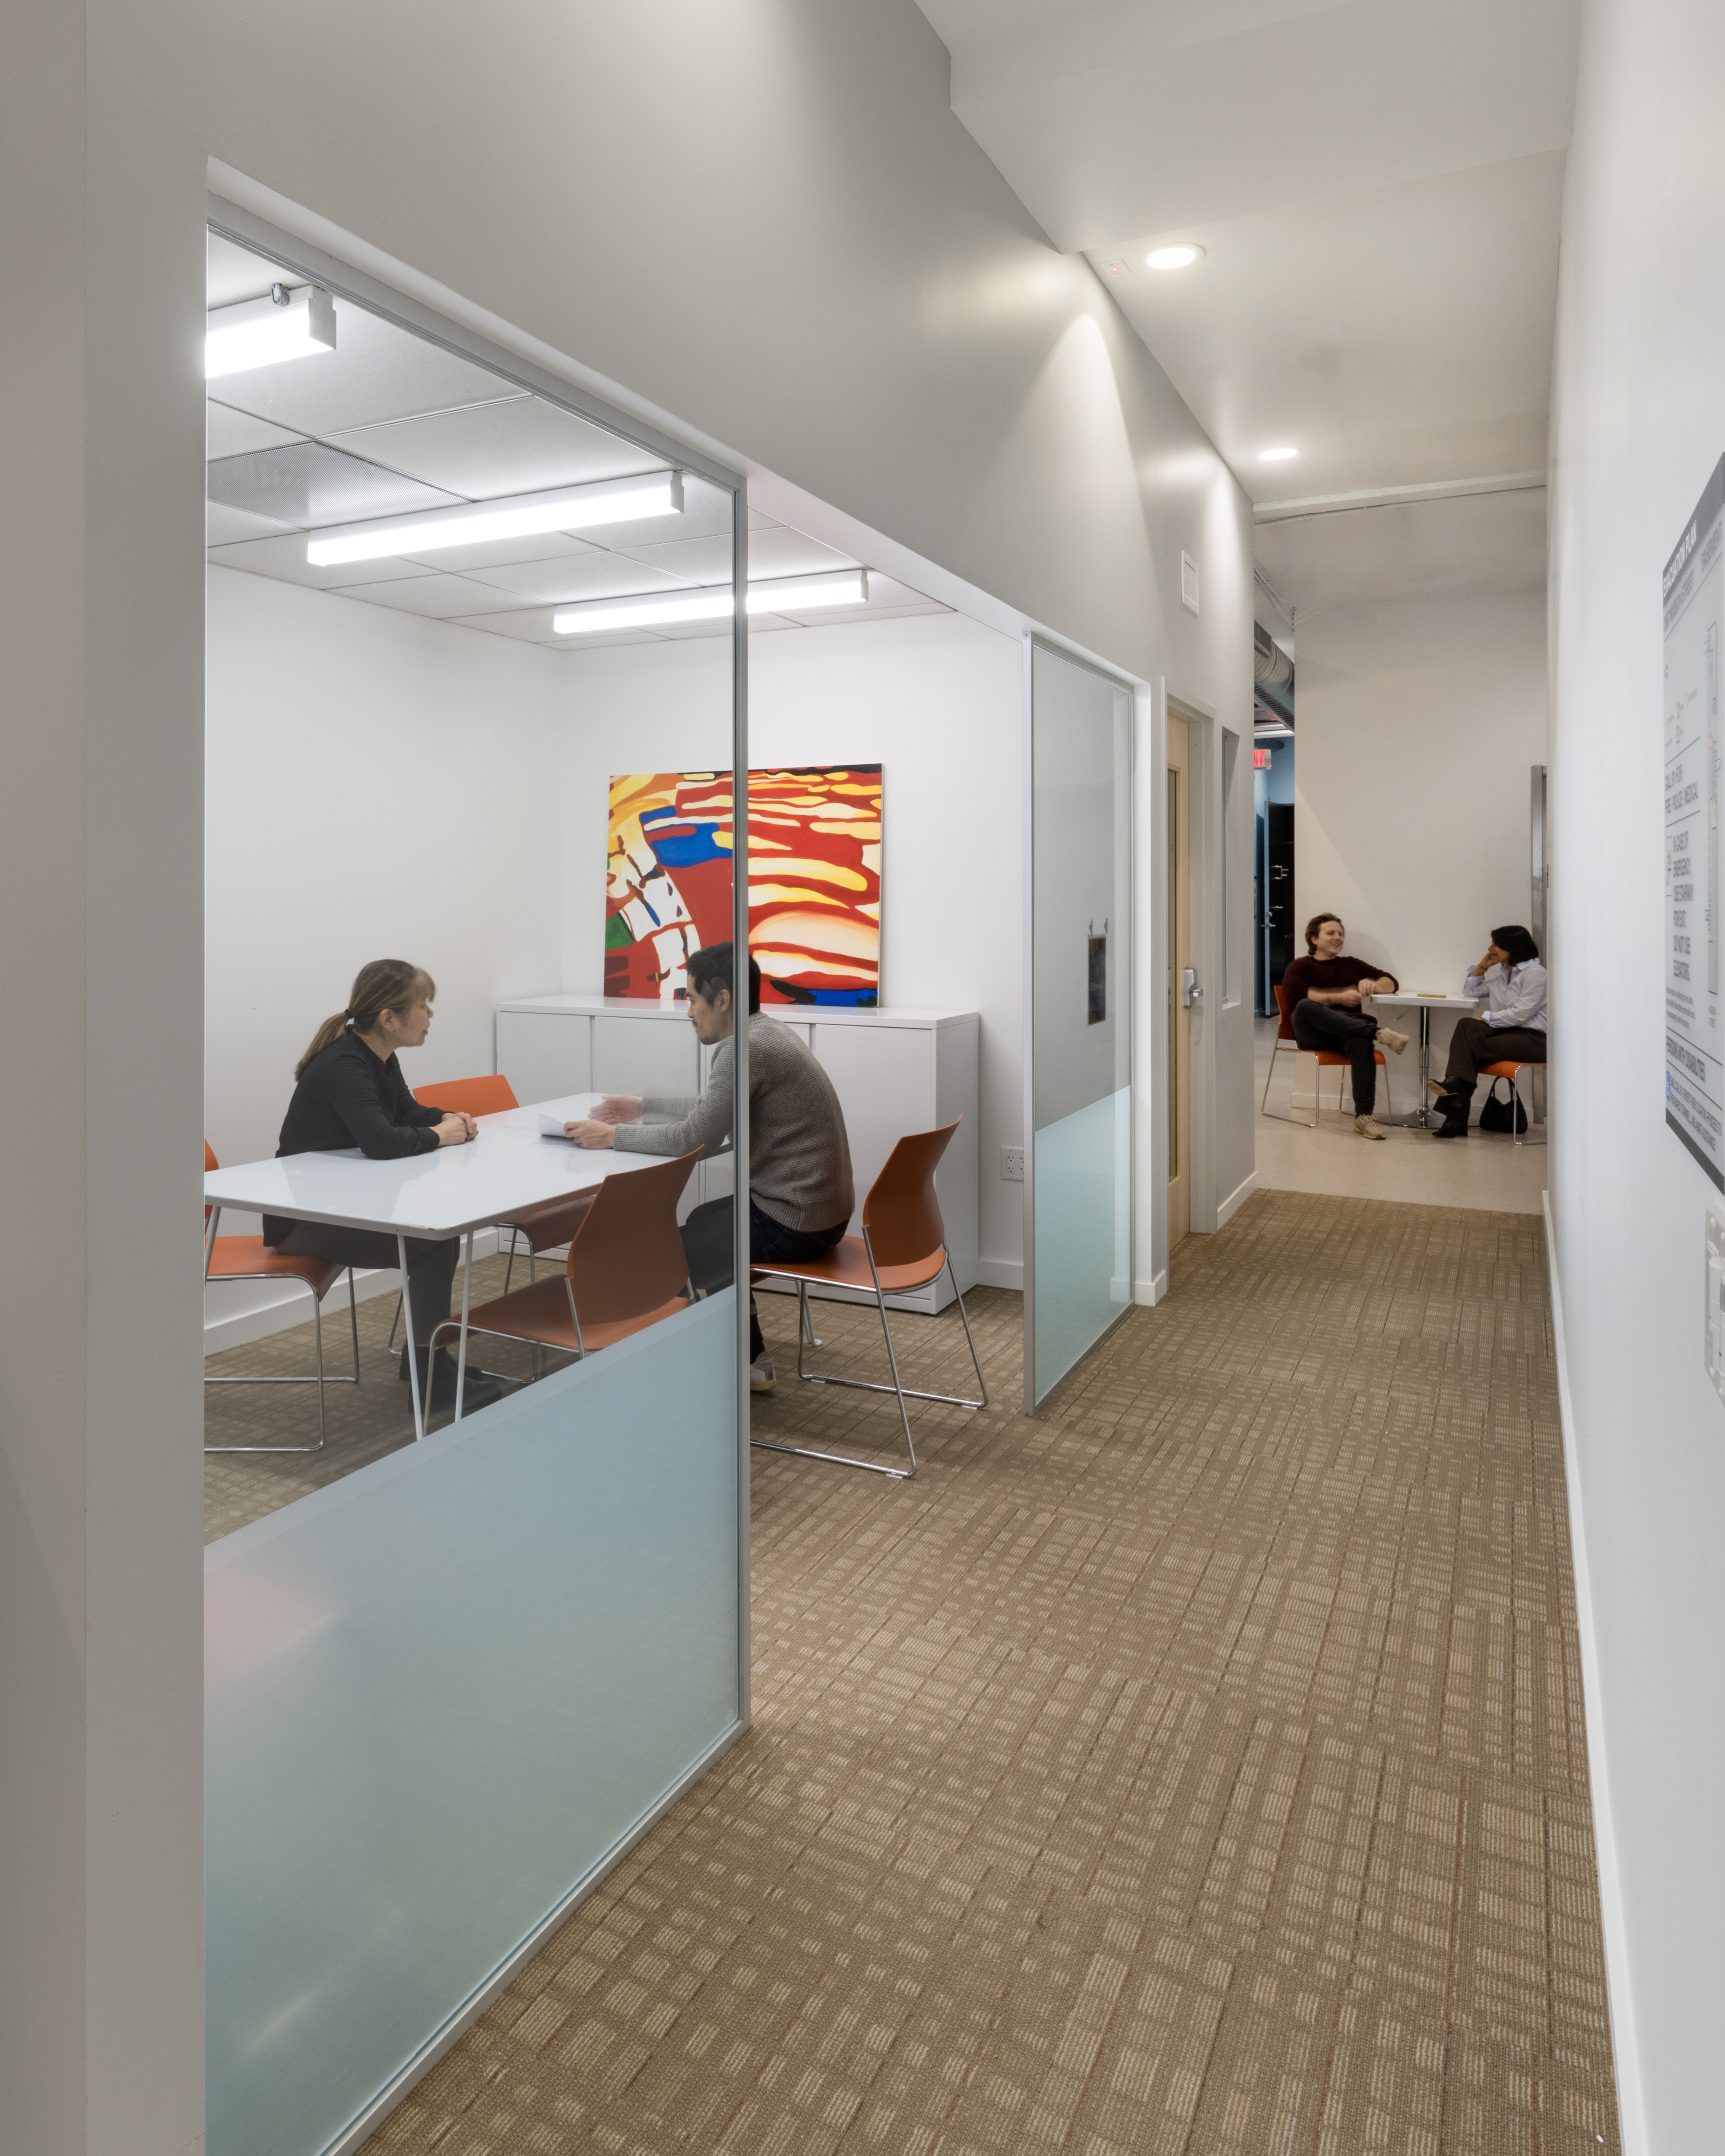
(285, 325)
(518, 516)
(1180, 256)
(712, 602)
(1276, 456)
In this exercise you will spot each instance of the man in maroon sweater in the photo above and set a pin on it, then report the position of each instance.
(1324, 992)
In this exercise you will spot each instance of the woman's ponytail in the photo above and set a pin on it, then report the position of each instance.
(332, 1029)
(386, 984)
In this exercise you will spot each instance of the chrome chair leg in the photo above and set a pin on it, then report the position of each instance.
(319, 1381)
(808, 1319)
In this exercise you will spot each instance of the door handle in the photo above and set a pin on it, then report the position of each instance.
(1189, 990)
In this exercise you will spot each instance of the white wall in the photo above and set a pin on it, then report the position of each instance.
(1420, 719)
(937, 701)
(1639, 424)
(380, 785)
(812, 263)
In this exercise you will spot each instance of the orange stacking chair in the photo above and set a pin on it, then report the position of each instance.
(626, 1269)
(250, 1258)
(1327, 1059)
(903, 1245)
(1513, 1071)
(541, 1227)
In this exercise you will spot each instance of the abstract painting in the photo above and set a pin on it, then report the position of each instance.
(814, 881)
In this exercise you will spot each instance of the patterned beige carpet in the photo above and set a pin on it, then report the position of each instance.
(1197, 1767)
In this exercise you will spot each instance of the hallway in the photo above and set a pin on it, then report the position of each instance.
(1199, 1766)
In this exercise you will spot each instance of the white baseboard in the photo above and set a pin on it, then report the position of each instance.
(1231, 1204)
(1147, 1294)
(1001, 1272)
(1631, 2111)
(236, 1313)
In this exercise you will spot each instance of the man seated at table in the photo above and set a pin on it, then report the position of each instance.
(801, 1196)
(1512, 1030)
(1325, 995)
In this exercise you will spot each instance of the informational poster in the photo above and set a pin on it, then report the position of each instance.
(1694, 1049)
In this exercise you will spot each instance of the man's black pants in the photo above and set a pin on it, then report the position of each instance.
(707, 1243)
(1335, 1030)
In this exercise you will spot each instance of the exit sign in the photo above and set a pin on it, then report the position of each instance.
(1260, 759)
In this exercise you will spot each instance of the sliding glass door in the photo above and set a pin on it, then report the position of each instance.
(1078, 1276)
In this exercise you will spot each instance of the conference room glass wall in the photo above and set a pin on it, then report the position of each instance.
(1078, 1014)
(454, 1668)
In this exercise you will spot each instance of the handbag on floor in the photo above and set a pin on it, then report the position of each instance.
(1496, 1115)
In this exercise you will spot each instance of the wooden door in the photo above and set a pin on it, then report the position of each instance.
(1179, 953)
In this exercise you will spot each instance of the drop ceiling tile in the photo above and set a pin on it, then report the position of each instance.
(376, 371)
(444, 597)
(690, 561)
(524, 624)
(308, 483)
(504, 553)
(759, 521)
(787, 553)
(513, 448)
(223, 526)
(230, 433)
(285, 558)
(594, 576)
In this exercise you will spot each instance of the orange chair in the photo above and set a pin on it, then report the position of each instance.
(1327, 1059)
(626, 1269)
(541, 1227)
(1513, 1071)
(903, 1245)
(250, 1258)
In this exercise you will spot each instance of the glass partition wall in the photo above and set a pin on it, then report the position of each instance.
(450, 1676)
(1078, 1002)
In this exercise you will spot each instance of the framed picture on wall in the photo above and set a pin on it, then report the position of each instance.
(814, 881)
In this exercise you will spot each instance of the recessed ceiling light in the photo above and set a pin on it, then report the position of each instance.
(1180, 256)
(471, 524)
(659, 609)
(1275, 456)
(296, 325)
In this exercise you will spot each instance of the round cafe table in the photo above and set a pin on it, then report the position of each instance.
(1421, 1118)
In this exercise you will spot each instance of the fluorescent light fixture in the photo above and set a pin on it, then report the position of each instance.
(518, 516)
(1276, 456)
(713, 601)
(1181, 256)
(285, 325)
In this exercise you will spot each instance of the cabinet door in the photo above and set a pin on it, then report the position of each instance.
(645, 1056)
(544, 1055)
(884, 1079)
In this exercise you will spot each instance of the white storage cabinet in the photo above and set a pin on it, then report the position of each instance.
(894, 1070)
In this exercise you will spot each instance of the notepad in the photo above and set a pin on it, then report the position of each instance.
(551, 1126)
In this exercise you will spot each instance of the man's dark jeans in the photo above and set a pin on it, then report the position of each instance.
(707, 1242)
(1333, 1028)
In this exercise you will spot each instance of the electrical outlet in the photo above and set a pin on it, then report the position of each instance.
(1012, 1163)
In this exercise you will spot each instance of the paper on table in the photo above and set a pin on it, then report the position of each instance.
(551, 1126)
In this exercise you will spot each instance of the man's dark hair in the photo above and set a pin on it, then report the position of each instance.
(710, 969)
(1517, 943)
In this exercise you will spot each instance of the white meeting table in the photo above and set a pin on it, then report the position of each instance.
(1420, 1119)
(432, 1196)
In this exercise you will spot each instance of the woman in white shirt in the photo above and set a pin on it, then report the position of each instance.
(1512, 1029)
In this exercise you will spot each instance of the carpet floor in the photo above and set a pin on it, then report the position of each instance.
(1197, 1767)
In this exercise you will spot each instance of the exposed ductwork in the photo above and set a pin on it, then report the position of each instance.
(1271, 663)
(1273, 672)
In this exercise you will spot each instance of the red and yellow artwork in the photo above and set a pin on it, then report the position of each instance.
(814, 881)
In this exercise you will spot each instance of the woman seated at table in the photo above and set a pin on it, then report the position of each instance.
(1325, 995)
(349, 1091)
(1512, 1030)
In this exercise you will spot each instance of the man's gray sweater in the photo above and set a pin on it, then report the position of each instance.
(799, 1158)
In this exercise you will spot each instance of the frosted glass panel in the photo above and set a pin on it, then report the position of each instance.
(1080, 1014)
(439, 1693)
